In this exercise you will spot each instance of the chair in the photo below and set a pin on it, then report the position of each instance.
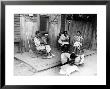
(65, 47)
(34, 49)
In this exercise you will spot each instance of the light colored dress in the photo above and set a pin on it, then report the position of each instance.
(78, 40)
(40, 46)
(67, 69)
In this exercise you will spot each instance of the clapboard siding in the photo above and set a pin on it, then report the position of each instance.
(16, 27)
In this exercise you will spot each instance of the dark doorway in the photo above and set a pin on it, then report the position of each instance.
(44, 23)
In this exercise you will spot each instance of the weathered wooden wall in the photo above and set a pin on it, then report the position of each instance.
(54, 28)
(24, 28)
(28, 26)
(57, 24)
(88, 31)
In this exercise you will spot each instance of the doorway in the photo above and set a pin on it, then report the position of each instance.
(44, 23)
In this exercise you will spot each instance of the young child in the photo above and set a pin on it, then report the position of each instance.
(70, 67)
(73, 61)
(78, 42)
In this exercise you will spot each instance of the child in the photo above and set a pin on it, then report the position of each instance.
(73, 61)
(70, 67)
(78, 42)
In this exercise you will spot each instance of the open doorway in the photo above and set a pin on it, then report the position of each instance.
(44, 23)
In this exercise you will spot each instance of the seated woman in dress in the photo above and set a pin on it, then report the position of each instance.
(42, 46)
(64, 41)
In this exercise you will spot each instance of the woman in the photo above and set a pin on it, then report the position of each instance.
(64, 41)
(42, 47)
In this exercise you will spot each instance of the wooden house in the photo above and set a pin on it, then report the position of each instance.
(25, 26)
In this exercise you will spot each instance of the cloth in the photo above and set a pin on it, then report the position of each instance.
(41, 46)
(79, 59)
(65, 57)
(63, 39)
(44, 47)
(78, 38)
(77, 44)
(67, 69)
(65, 48)
(36, 41)
(48, 48)
(44, 40)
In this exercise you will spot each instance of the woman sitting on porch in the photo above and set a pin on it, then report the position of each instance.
(40, 46)
(64, 41)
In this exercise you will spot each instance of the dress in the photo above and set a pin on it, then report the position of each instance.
(41, 46)
(78, 40)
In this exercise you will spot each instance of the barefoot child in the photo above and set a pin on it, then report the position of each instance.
(72, 60)
(70, 67)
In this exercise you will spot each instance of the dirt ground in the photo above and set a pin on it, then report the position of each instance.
(25, 69)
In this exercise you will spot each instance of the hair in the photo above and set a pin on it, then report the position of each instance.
(79, 32)
(73, 56)
(37, 32)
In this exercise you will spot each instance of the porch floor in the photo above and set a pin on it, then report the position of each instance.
(25, 65)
